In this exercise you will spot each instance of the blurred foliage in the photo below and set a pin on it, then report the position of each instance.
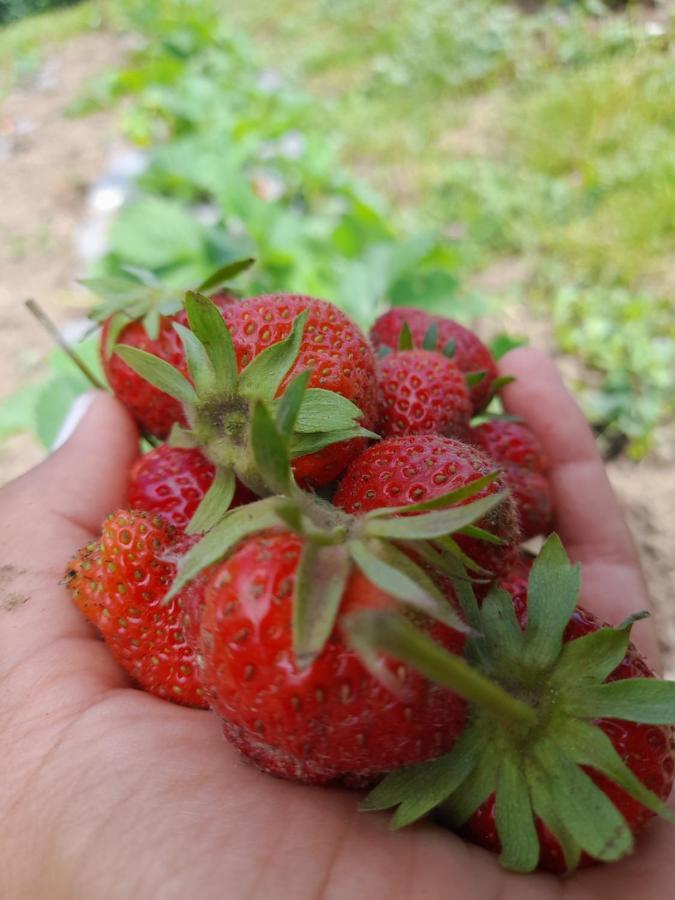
(545, 137)
(13, 10)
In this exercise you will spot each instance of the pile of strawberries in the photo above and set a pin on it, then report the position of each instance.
(323, 546)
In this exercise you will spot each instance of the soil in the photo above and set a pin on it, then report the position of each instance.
(47, 162)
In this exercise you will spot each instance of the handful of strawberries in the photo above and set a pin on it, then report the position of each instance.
(326, 553)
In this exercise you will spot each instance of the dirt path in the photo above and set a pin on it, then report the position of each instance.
(46, 162)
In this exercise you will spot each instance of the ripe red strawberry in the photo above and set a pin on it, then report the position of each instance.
(172, 482)
(648, 750)
(406, 470)
(518, 450)
(328, 346)
(515, 580)
(464, 347)
(331, 720)
(119, 583)
(569, 748)
(421, 392)
(154, 410)
(333, 348)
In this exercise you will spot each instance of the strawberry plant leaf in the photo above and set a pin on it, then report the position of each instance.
(417, 789)
(450, 348)
(585, 811)
(199, 365)
(320, 583)
(500, 382)
(394, 572)
(463, 493)
(214, 504)
(430, 340)
(237, 524)
(289, 405)
(432, 524)
(270, 450)
(501, 636)
(159, 373)
(209, 326)
(544, 807)
(473, 791)
(263, 375)
(323, 410)
(224, 274)
(588, 745)
(553, 591)
(151, 323)
(405, 338)
(646, 700)
(480, 534)
(514, 819)
(590, 658)
(474, 378)
(448, 545)
(302, 444)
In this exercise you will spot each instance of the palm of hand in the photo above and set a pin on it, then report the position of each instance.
(109, 792)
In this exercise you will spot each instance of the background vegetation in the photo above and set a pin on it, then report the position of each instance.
(413, 151)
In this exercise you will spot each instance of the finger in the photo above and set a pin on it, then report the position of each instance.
(587, 515)
(46, 515)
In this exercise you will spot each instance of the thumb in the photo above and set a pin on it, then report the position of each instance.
(86, 477)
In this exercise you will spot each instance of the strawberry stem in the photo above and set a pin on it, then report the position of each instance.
(38, 313)
(379, 630)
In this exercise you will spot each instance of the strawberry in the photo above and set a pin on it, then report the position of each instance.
(421, 392)
(256, 349)
(331, 720)
(648, 751)
(119, 584)
(401, 471)
(514, 447)
(172, 482)
(569, 752)
(445, 336)
(515, 580)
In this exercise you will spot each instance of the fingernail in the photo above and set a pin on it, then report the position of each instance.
(75, 415)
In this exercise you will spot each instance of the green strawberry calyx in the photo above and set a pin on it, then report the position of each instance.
(219, 401)
(534, 764)
(138, 294)
(396, 551)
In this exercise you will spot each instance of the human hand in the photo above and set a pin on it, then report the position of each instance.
(108, 792)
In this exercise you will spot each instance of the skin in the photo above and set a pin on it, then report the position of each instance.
(110, 793)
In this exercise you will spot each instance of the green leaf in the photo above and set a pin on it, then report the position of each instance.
(303, 444)
(430, 341)
(325, 411)
(514, 819)
(553, 591)
(418, 789)
(501, 633)
(448, 545)
(584, 809)
(440, 502)
(151, 323)
(154, 232)
(588, 745)
(474, 378)
(500, 382)
(320, 583)
(209, 326)
(474, 791)
(159, 373)
(269, 450)
(237, 524)
(405, 339)
(383, 631)
(263, 375)
(224, 274)
(433, 524)
(480, 534)
(290, 403)
(590, 658)
(394, 572)
(646, 700)
(199, 365)
(544, 807)
(450, 348)
(214, 504)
